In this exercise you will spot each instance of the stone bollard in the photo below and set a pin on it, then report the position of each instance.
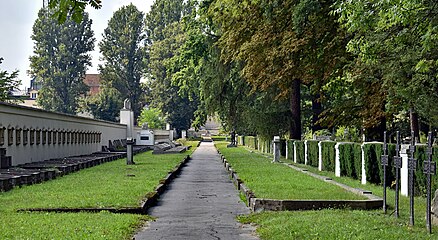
(276, 149)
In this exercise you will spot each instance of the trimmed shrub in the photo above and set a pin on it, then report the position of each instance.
(312, 153)
(350, 158)
(328, 155)
(300, 151)
(283, 147)
(265, 145)
(290, 149)
(420, 177)
(250, 141)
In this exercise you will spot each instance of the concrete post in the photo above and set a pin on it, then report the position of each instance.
(287, 150)
(183, 134)
(337, 161)
(404, 172)
(305, 152)
(364, 177)
(276, 149)
(320, 156)
(295, 153)
(127, 117)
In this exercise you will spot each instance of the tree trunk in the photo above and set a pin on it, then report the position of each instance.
(415, 127)
(295, 108)
(316, 110)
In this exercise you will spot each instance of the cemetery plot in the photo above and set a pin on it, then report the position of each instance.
(276, 181)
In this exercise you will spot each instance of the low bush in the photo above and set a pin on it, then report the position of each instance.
(328, 155)
(312, 153)
(290, 149)
(299, 145)
(350, 159)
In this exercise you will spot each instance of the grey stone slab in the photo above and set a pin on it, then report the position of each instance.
(201, 203)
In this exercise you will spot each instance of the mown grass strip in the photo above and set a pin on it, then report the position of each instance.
(276, 181)
(110, 185)
(101, 225)
(344, 224)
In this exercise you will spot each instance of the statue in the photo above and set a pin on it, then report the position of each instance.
(127, 104)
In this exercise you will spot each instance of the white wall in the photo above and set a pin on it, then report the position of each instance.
(31, 118)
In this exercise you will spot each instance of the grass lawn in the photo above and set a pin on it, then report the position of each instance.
(112, 184)
(343, 223)
(276, 181)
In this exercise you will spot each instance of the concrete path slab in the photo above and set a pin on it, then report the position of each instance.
(201, 203)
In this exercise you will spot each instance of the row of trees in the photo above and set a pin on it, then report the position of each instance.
(273, 67)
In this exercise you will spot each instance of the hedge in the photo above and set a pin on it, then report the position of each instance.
(250, 141)
(420, 177)
(373, 165)
(290, 149)
(300, 151)
(328, 155)
(265, 145)
(350, 159)
(312, 153)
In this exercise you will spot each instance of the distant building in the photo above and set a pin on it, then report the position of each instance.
(31, 95)
(92, 81)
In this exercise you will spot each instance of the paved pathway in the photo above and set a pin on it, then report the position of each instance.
(201, 203)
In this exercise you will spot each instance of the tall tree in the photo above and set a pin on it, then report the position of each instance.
(283, 44)
(398, 37)
(165, 35)
(75, 8)
(124, 54)
(60, 60)
(8, 83)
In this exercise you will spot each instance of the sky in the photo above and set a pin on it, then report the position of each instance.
(16, 21)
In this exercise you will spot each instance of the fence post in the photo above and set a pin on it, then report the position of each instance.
(320, 156)
(364, 177)
(305, 152)
(295, 152)
(337, 161)
(404, 172)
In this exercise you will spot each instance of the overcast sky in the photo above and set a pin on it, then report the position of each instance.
(16, 21)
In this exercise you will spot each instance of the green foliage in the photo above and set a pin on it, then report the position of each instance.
(350, 159)
(347, 134)
(124, 55)
(290, 149)
(328, 155)
(250, 141)
(153, 117)
(421, 178)
(312, 153)
(165, 33)
(105, 105)
(265, 144)
(8, 83)
(62, 9)
(60, 60)
(299, 146)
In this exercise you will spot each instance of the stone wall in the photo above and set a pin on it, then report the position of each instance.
(31, 135)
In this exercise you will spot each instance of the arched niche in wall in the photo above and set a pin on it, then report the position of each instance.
(38, 136)
(59, 136)
(2, 135)
(25, 135)
(68, 136)
(44, 136)
(32, 136)
(64, 136)
(17, 135)
(10, 135)
(49, 136)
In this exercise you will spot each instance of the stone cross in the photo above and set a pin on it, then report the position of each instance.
(412, 166)
(127, 104)
(398, 164)
(384, 162)
(429, 170)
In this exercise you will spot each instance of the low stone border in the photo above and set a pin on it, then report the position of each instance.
(260, 204)
(149, 201)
